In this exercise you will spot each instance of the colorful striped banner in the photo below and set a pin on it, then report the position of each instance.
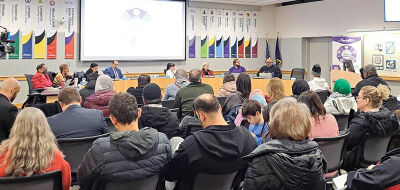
(192, 33)
(14, 29)
(27, 46)
(3, 19)
(40, 33)
(204, 35)
(51, 30)
(247, 37)
(14, 37)
(211, 33)
(69, 30)
(254, 38)
(219, 44)
(226, 35)
(234, 35)
(241, 36)
(27, 31)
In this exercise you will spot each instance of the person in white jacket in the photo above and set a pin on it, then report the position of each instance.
(340, 102)
(317, 83)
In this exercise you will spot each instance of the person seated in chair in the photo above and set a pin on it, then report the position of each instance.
(138, 91)
(205, 71)
(370, 78)
(75, 121)
(126, 155)
(41, 79)
(317, 83)
(114, 72)
(94, 68)
(236, 68)
(269, 67)
(62, 76)
(8, 92)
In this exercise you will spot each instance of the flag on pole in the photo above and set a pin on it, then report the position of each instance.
(278, 53)
(267, 54)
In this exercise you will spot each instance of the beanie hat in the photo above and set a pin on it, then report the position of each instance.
(342, 86)
(316, 70)
(151, 92)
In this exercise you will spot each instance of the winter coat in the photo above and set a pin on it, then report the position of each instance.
(100, 101)
(138, 93)
(8, 114)
(172, 89)
(318, 84)
(88, 90)
(283, 164)
(159, 118)
(372, 80)
(275, 70)
(123, 157)
(216, 149)
(391, 103)
(227, 89)
(340, 104)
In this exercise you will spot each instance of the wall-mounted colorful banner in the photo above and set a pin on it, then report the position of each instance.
(219, 44)
(226, 35)
(69, 30)
(40, 34)
(241, 34)
(204, 37)
(51, 30)
(3, 19)
(247, 35)
(14, 29)
(211, 33)
(192, 33)
(254, 37)
(234, 31)
(27, 31)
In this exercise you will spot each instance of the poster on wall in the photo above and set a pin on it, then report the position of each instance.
(69, 29)
(346, 48)
(247, 35)
(377, 61)
(390, 48)
(241, 34)
(219, 43)
(204, 37)
(51, 30)
(254, 37)
(3, 18)
(391, 65)
(27, 30)
(227, 33)
(14, 29)
(234, 31)
(211, 32)
(192, 33)
(39, 25)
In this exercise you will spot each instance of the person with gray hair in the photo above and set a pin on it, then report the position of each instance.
(102, 96)
(370, 78)
(181, 80)
(185, 96)
(8, 112)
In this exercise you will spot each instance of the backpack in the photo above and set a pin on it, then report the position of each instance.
(232, 114)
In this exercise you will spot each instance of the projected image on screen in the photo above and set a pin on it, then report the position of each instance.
(132, 30)
(392, 13)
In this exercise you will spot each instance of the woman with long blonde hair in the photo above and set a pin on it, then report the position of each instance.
(32, 149)
(275, 90)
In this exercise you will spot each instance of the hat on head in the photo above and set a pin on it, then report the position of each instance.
(93, 65)
(151, 92)
(342, 86)
(316, 70)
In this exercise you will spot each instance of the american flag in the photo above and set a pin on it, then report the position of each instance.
(267, 54)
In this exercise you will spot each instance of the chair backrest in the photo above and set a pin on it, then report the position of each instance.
(30, 84)
(169, 104)
(333, 149)
(46, 181)
(323, 95)
(221, 100)
(49, 109)
(52, 75)
(342, 121)
(373, 149)
(149, 183)
(297, 73)
(75, 149)
(110, 125)
(214, 181)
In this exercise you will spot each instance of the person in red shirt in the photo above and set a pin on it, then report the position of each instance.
(31, 148)
(41, 79)
(206, 71)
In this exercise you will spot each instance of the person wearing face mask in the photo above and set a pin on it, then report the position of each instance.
(41, 79)
(8, 112)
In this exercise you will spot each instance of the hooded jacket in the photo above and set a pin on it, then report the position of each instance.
(100, 101)
(231, 101)
(338, 104)
(318, 84)
(216, 149)
(372, 80)
(227, 88)
(124, 156)
(159, 118)
(283, 164)
(88, 90)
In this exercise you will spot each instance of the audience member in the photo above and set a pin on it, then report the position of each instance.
(8, 92)
(340, 102)
(236, 68)
(185, 96)
(267, 111)
(243, 86)
(103, 93)
(41, 79)
(384, 175)
(94, 68)
(370, 78)
(218, 148)
(114, 72)
(251, 110)
(89, 87)
(206, 71)
(62, 76)
(317, 83)
(259, 96)
(323, 124)
(181, 81)
(299, 86)
(170, 71)
(75, 121)
(229, 85)
(32, 149)
(269, 67)
(290, 160)
(127, 155)
(275, 90)
(156, 116)
(371, 118)
(138, 91)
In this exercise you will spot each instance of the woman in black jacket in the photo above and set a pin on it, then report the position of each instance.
(290, 160)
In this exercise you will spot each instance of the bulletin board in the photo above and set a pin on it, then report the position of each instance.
(383, 51)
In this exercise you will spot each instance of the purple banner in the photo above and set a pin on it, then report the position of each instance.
(226, 48)
(192, 47)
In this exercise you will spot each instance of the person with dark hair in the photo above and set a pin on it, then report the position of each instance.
(251, 110)
(75, 121)
(114, 72)
(218, 148)
(323, 124)
(181, 80)
(370, 78)
(317, 83)
(9, 89)
(269, 67)
(94, 68)
(236, 68)
(62, 76)
(299, 86)
(126, 155)
(41, 79)
(156, 116)
(243, 86)
(185, 96)
(89, 88)
(229, 85)
(170, 71)
(138, 91)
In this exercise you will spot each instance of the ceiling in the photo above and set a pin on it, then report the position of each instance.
(246, 2)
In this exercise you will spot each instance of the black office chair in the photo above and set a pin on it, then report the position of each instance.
(342, 121)
(49, 109)
(46, 181)
(52, 75)
(169, 104)
(148, 183)
(323, 95)
(214, 181)
(372, 149)
(221, 100)
(34, 94)
(297, 73)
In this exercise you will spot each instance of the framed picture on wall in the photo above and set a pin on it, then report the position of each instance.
(377, 61)
(389, 47)
(391, 65)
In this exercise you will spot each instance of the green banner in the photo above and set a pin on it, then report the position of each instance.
(204, 48)
(15, 37)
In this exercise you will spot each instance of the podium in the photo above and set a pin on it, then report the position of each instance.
(353, 78)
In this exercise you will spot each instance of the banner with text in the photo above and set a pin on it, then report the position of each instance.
(247, 35)
(69, 30)
(211, 32)
(234, 32)
(203, 36)
(254, 37)
(3, 18)
(219, 44)
(39, 25)
(241, 34)
(227, 33)
(346, 48)
(192, 33)
(27, 30)
(51, 30)
(14, 28)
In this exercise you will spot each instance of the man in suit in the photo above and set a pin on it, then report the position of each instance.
(8, 91)
(114, 72)
(75, 121)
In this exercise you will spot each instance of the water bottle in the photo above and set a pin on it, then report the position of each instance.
(76, 82)
(83, 82)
